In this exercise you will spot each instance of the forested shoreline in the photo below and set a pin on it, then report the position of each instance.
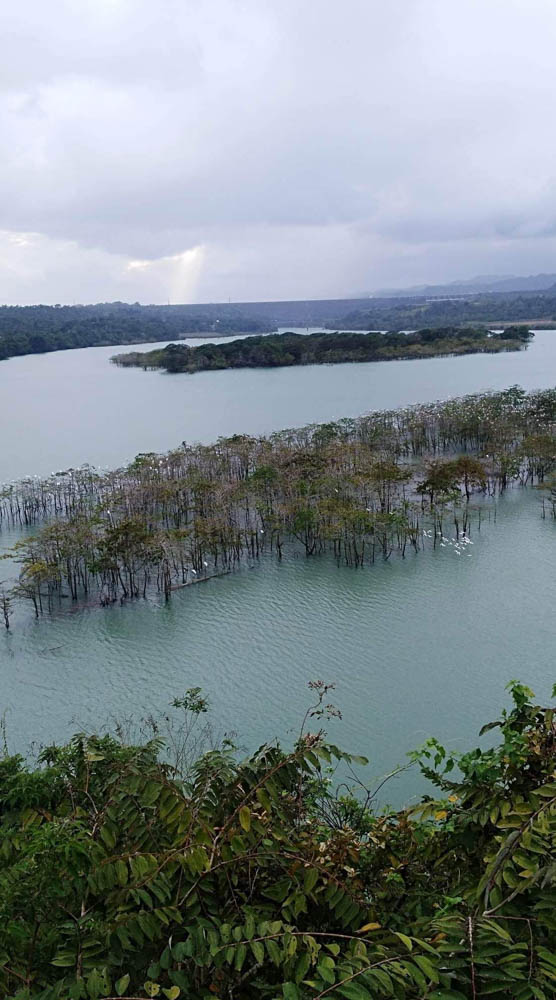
(286, 349)
(41, 329)
(358, 489)
(486, 309)
(159, 870)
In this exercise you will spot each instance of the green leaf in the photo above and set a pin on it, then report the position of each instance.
(290, 992)
(427, 967)
(487, 727)
(310, 879)
(64, 959)
(548, 791)
(405, 940)
(121, 872)
(353, 991)
(151, 989)
(257, 948)
(264, 799)
(274, 952)
(95, 984)
(77, 991)
(172, 993)
(302, 966)
(245, 818)
(122, 984)
(241, 955)
(326, 973)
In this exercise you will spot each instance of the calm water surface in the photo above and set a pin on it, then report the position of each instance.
(70, 407)
(416, 646)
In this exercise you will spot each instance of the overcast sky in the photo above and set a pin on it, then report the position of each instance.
(200, 150)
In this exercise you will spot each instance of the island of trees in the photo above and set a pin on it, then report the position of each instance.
(359, 489)
(325, 348)
(131, 871)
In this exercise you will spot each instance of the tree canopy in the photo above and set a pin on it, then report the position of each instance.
(39, 329)
(324, 348)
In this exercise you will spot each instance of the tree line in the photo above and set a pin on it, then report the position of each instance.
(39, 329)
(42, 328)
(125, 873)
(406, 314)
(325, 348)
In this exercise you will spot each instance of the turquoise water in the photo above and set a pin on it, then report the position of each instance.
(415, 647)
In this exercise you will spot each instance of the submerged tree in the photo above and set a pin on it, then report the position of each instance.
(6, 607)
(351, 487)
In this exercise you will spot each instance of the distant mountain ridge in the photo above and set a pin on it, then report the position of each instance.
(477, 285)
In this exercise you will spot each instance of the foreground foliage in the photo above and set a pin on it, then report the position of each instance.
(325, 348)
(120, 875)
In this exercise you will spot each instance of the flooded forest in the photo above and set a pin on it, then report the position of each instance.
(359, 489)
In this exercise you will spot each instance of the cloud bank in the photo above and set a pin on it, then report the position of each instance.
(200, 150)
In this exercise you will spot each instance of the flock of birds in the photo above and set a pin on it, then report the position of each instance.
(459, 545)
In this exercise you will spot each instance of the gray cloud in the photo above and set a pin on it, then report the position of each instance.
(207, 149)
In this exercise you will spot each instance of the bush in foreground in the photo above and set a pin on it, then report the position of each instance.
(120, 876)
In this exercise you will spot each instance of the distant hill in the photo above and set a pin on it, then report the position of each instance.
(472, 286)
(489, 308)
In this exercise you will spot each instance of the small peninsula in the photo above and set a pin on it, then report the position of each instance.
(287, 349)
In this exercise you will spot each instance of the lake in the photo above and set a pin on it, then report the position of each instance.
(416, 647)
(69, 407)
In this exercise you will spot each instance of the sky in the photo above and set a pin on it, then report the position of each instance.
(207, 150)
